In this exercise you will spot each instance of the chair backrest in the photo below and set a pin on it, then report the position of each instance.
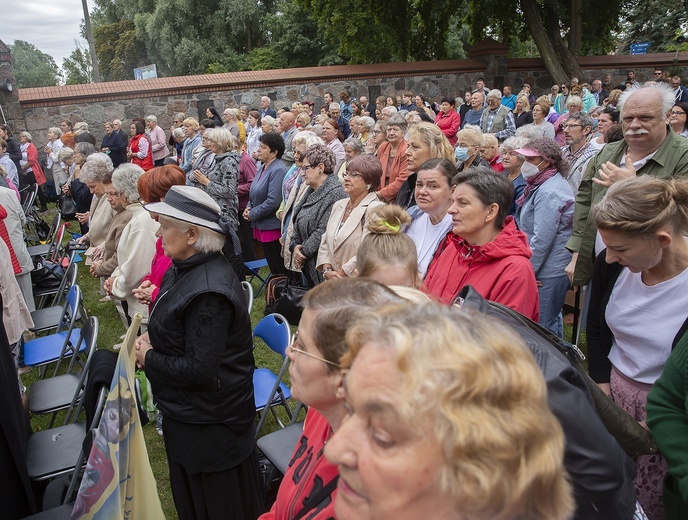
(56, 249)
(274, 331)
(68, 321)
(248, 295)
(68, 281)
(88, 335)
(30, 199)
(54, 227)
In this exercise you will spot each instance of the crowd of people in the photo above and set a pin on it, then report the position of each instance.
(520, 197)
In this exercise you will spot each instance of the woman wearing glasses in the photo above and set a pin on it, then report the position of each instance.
(329, 310)
(678, 119)
(347, 225)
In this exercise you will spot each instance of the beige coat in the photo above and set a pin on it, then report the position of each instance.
(16, 315)
(339, 249)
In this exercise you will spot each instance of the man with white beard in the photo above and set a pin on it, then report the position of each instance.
(649, 147)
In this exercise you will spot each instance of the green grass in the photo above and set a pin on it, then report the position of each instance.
(110, 330)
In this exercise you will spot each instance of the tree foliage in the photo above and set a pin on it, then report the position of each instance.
(119, 50)
(663, 23)
(77, 67)
(33, 68)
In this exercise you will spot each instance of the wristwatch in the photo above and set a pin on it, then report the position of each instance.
(327, 270)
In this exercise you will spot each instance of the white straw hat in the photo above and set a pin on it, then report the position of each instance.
(189, 204)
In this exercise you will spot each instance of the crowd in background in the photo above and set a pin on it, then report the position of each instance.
(520, 197)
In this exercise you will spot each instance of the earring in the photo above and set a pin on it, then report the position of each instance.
(368, 186)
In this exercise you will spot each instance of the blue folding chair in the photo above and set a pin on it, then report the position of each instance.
(269, 390)
(52, 348)
(255, 266)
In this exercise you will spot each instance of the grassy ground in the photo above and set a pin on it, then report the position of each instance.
(110, 330)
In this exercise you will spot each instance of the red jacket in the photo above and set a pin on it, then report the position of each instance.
(147, 162)
(5, 236)
(499, 270)
(398, 171)
(449, 124)
(308, 470)
(32, 157)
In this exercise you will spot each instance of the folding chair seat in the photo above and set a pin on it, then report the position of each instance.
(54, 347)
(269, 390)
(279, 445)
(248, 295)
(65, 391)
(48, 318)
(54, 452)
(254, 267)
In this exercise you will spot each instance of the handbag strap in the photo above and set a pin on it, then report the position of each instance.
(315, 498)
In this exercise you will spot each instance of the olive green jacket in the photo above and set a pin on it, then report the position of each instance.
(671, 159)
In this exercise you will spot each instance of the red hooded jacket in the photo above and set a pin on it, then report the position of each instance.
(499, 270)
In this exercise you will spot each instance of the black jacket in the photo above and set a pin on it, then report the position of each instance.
(407, 192)
(14, 151)
(115, 144)
(601, 473)
(201, 368)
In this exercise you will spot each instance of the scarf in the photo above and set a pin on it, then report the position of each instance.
(534, 182)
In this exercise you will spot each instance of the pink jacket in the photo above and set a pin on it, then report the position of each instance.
(159, 266)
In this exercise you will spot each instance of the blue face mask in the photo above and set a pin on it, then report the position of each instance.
(461, 154)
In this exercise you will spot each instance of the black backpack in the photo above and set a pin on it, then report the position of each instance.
(597, 432)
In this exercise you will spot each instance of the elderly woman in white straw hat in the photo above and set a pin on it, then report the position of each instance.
(198, 357)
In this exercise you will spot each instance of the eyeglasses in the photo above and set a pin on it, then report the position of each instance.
(308, 166)
(570, 126)
(677, 113)
(301, 351)
(207, 140)
(112, 193)
(377, 131)
(353, 175)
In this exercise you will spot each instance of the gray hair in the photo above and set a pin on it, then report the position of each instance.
(514, 143)
(667, 94)
(494, 93)
(390, 111)
(152, 118)
(574, 100)
(367, 121)
(355, 144)
(269, 120)
(308, 138)
(209, 241)
(84, 148)
(178, 133)
(265, 98)
(96, 167)
(222, 137)
(397, 120)
(80, 127)
(26, 135)
(233, 112)
(66, 153)
(125, 179)
(55, 130)
(335, 106)
(583, 117)
(118, 122)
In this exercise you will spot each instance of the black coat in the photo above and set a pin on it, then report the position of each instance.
(115, 144)
(201, 368)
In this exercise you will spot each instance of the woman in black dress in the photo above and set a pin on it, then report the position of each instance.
(198, 357)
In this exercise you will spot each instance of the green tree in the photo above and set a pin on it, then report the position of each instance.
(32, 67)
(119, 49)
(663, 23)
(77, 68)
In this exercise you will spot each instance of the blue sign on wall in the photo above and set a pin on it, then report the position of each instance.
(639, 48)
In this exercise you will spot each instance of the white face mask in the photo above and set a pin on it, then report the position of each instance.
(529, 170)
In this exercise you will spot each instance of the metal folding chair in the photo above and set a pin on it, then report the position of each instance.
(248, 295)
(269, 390)
(254, 267)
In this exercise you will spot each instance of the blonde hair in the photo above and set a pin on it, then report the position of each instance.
(471, 386)
(435, 140)
(192, 122)
(545, 103)
(471, 135)
(387, 244)
(525, 100)
(643, 205)
(490, 141)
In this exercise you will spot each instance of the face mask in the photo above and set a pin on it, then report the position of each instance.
(461, 154)
(529, 170)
